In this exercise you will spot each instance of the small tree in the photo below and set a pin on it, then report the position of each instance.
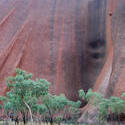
(74, 111)
(53, 104)
(24, 93)
(98, 101)
(117, 106)
(32, 96)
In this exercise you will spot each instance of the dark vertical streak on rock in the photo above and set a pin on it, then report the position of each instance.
(52, 42)
(97, 20)
(96, 49)
(80, 40)
(68, 58)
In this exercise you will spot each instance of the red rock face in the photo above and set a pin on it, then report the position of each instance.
(73, 44)
(111, 78)
(117, 79)
(54, 39)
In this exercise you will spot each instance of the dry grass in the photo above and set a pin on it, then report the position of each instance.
(12, 123)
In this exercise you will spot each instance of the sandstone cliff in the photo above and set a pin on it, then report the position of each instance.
(72, 43)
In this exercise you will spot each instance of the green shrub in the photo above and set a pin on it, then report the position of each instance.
(116, 105)
(32, 96)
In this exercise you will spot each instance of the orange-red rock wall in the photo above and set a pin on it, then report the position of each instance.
(117, 79)
(68, 42)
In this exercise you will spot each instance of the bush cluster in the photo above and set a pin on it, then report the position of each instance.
(106, 107)
(27, 97)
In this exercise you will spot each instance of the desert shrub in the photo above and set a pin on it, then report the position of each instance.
(28, 96)
(115, 105)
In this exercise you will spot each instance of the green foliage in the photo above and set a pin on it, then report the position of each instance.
(0, 106)
(74, 110)
(2, 98)
(86, 96)
(24, 93)
(82, 94)
(115, 104)
(54, 105)
(42, 109)
(123, 94)
(103, 109)
(27, 95)
(59, 119)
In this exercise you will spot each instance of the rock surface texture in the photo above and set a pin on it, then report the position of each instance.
(73, 44)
